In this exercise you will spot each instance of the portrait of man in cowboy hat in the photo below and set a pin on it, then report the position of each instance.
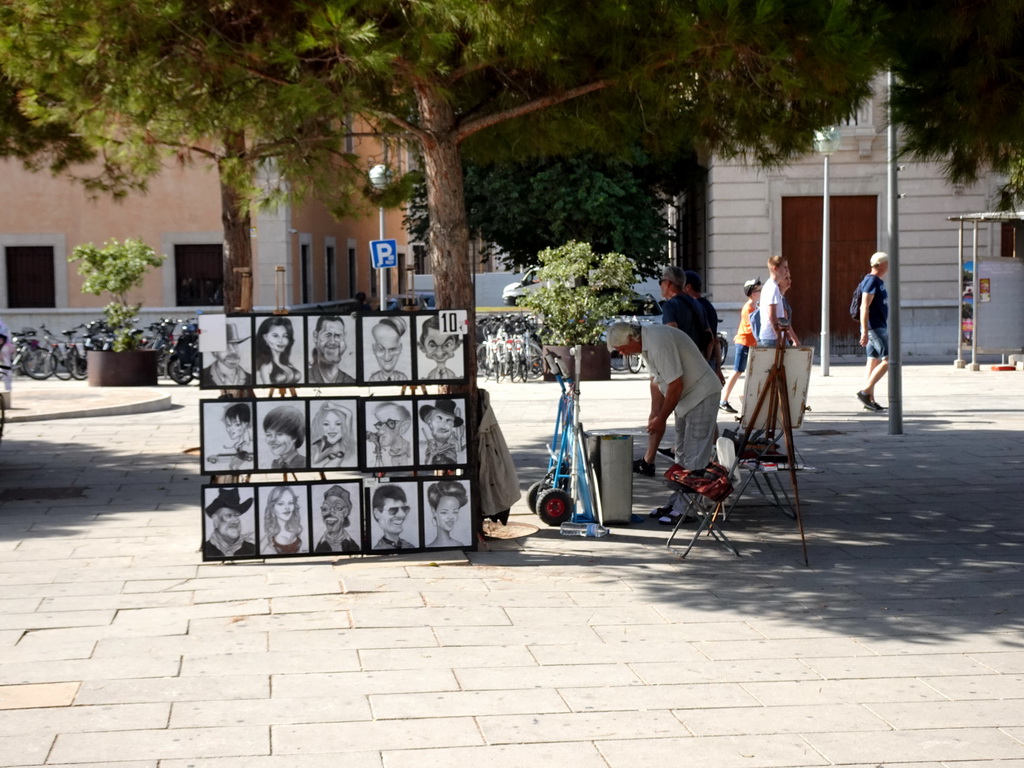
(230, 368)
(442, 437)
(229, 523)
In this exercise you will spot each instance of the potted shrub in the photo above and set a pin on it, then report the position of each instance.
(116, 269)
(580, 290)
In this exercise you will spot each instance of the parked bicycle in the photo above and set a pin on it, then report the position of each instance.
(65, 359)
(509, 348)
(30, 358)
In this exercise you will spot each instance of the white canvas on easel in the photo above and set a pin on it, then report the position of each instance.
(797, 361)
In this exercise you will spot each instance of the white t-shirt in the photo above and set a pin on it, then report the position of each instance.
(770, 294)
(671, 354)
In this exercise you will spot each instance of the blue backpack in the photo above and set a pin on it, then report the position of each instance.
(855, 302)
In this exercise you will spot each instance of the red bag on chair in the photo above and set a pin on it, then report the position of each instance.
(713, 482)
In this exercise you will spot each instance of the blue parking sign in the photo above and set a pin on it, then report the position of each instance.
(384, 253)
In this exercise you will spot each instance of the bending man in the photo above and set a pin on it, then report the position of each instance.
(682, 385)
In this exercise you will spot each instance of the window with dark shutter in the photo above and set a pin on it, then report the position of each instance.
(199, 275)
(30, 279)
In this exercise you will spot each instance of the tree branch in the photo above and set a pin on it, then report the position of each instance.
(474, 125)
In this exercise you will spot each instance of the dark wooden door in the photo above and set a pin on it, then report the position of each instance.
(853, 225)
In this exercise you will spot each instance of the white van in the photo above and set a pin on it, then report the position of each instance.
(513, 292)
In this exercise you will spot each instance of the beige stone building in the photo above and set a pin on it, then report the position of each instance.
(42, 218)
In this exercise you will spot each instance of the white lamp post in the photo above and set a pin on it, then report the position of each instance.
(826, 141)
(380, 176)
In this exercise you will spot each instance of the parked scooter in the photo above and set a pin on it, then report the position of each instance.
(184, 363)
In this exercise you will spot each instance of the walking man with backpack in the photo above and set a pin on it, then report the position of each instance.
(873, 316)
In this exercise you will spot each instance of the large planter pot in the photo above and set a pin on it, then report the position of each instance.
(595, 363)
(123, 369)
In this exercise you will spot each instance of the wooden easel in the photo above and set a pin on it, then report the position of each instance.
(775, 396)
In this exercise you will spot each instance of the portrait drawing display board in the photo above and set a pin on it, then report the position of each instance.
(395, 521)
(441, 432)
(336, 517)
(389, 433)
(386, 345)
(280, 435)
(336, 511)
(278, 351)
(332, 345)
(229, 522)
(440, 352)
(283, 511)
(227, 436)
(447, 513)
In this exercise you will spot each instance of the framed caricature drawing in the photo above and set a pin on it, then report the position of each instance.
(442, 432)
(333, 434)
(447, 516)
(284, 520)
(281, 442)
(229, 522)
(394, 516)
(440, 356)
(389, 434)
(231, 367)
(227, 444)
(278, 351)
(387, 349)
(331, 346)
(336, 515)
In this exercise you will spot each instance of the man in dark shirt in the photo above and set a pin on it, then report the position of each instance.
(874, 328)
(712, 348)
(679, 310)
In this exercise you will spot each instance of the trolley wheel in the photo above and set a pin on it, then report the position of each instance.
(532, 493)
(554, 506)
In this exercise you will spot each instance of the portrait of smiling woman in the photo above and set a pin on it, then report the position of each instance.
(448, 502)
(273, 348)
(284, 520)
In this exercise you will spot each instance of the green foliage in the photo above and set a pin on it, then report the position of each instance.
(614, 203)
(959, 91)
(581, 289)
(117, 269)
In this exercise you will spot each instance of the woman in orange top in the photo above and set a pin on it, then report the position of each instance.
(744, 340)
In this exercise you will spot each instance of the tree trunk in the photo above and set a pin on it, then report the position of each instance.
(446, 204)
(237, 232)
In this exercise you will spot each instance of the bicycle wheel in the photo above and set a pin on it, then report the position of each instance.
(38, 364)
(534, 360)
(483, 362)
(635, 363)
(61, 365)
(77, 362)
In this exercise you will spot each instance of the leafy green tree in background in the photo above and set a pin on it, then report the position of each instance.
(613, 203)
(150, 80)
(503, 79)
(959, 91)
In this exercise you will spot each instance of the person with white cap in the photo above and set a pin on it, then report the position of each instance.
(683, 388)
(874, 328)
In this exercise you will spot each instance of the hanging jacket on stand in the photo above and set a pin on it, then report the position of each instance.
(499, 482)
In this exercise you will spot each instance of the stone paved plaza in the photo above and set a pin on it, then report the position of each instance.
(901, 644)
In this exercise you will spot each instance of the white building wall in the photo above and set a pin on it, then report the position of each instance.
(744, 214)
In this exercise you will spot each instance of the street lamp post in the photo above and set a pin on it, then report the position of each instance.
(826, 141)
(380, 176)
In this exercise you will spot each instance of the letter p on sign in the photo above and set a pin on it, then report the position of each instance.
(384, 253)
